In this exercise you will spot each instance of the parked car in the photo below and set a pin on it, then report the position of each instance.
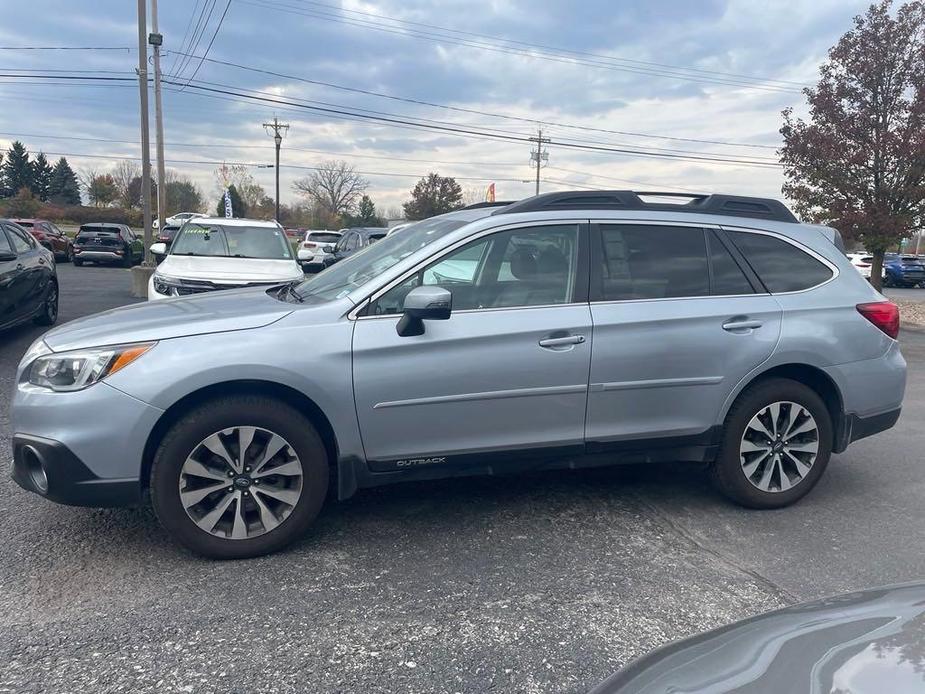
(28, 278)
(314, 247)
(177, 219)
(902, 270)
(861, 263)
(868, 642)
(211, 253)
(167, 234)
(50, 236)
(353, 240)
(105, 243)
(294, 233)
(570, 329)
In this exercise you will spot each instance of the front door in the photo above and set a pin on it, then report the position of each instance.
(30, 272)
(507, 371)
(678, 323)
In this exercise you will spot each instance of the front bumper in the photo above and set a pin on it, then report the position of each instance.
(48, 468)
(92, 442)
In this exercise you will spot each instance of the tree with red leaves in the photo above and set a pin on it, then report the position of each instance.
(858, 163)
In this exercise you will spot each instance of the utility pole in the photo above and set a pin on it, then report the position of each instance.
(277, 127)
(155, 39)
(539, 156)
(140, 279)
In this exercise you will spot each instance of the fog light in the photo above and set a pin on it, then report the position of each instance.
(33, 463)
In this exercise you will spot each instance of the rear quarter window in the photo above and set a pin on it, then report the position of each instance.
(780, 265)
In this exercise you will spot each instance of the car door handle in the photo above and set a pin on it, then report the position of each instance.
(562, 341)
(735, 325)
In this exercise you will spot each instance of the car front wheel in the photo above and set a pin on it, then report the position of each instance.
(776, 443)
(239, 477)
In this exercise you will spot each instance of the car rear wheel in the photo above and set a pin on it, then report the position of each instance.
(776, 443)
(49, 312)
(68, 253)
(239, 477)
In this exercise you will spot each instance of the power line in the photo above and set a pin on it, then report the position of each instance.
(328, 6)
(67, 48)
(490, 114)
(396, 119)
(211, 41)
(205, 14)
(620, 180)
(186, 34)
(437, 38)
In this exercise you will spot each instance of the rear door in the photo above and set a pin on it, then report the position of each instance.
(679, 320)
(32, 271)
(10, 270)
(508, 371)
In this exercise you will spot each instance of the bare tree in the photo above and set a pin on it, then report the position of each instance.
(335, 187)
(472, 195)
(243, 180)
(124, 173)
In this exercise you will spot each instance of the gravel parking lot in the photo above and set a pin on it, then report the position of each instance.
(542, 583)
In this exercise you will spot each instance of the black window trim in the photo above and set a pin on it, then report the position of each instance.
(737, 257)
(796, 244)
(580, 291)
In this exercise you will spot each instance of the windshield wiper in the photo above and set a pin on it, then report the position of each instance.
(291, 293)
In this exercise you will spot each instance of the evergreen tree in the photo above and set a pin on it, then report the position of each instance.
(64, 188)
(238, 208)
(41, 177)
(433, 195)
(17, 172)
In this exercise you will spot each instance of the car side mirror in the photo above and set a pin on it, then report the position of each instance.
(159, 248)
(424, 303)
(7, 256)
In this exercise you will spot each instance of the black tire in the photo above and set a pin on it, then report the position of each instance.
(78, 263)
(48, 314)
(727, 471)
(185, 436)
(69, 253)
(127, 260)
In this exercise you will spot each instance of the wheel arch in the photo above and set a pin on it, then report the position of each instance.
(287, 394)
(816, 379)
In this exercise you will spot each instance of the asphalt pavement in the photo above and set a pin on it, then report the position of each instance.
(541, 583)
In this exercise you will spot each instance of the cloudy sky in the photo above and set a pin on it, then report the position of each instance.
(702, 79)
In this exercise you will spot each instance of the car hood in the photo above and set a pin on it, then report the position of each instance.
(864, 643)
(211, 312)
(230, 270)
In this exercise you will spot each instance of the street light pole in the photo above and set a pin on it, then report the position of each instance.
(155, 39)
(277, 128)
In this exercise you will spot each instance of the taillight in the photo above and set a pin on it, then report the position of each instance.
(883, 314)
(307, 244)
(863, 264)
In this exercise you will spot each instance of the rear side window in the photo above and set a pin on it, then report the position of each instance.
(653, 262)
(5, 246)
(21, 240)
(781, 266)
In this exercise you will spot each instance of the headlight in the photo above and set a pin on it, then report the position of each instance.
(75, 370)
(36, 349)
(164, 284)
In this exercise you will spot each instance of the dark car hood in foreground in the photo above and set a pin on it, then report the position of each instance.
(872, 642)
(159, 320)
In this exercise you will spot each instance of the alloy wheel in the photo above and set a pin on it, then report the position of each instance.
(779, 446)
(240, 482)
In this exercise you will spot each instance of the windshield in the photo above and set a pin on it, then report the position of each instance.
(98, 230)
(323, 238)
(225, 241)
(356, 270)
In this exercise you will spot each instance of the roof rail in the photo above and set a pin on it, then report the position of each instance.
(729, 205)
(479, 205)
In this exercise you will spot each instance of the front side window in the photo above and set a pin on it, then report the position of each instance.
(226, 241)
(653, 262)
(781, 266)
(534, 266)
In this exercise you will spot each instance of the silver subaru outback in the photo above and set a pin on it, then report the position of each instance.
(564, 330)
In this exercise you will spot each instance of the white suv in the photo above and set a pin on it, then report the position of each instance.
(210, 253)
(315, 245)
